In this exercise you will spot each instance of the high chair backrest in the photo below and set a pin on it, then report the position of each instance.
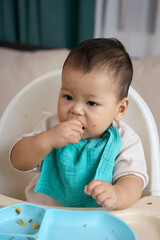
(140, 118)
(38, 99)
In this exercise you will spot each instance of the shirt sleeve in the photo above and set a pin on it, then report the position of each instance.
(43, 126)
(131, 159)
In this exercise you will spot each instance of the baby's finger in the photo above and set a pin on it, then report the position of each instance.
(80, 131)
(74, 136)
(89, 188)
(108, 203)
(101, 197)
(97, 190)
(78, 127)
(76, 122)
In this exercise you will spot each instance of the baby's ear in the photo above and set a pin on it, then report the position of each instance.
(121, 109)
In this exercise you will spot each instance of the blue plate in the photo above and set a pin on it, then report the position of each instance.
(60, 224)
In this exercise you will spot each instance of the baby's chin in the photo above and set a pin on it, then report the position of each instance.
(90, 137)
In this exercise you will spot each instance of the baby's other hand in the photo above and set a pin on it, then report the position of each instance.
(103, 192)
(66, 132)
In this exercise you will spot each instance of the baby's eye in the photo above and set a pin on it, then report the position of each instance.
(68, 98)
(90, 103)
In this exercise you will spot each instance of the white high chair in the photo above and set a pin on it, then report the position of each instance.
(39, 98)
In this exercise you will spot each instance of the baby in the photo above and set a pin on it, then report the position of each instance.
(86, 155)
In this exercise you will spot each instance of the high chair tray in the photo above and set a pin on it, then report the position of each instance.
(143, 217)
(33, 222)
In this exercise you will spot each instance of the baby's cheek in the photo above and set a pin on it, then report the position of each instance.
(61, 115)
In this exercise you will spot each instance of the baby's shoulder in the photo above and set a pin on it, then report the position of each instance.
(125, 130)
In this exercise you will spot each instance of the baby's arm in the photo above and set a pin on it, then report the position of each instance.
(29, 152)
(125, 192)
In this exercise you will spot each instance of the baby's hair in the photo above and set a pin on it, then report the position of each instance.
(104, 54)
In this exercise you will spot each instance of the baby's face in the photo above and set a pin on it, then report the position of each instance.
(89, 98)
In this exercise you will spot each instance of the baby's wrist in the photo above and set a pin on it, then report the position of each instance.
(46, 143)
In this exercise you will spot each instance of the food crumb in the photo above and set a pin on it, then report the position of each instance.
(35, 225)
(30, 220)
(11, 238)
(107, 239)
(21, 222)
(85, 225)
(149, 203)
(18, 210)
(26, 116)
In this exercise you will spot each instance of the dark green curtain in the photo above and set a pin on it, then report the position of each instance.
(50, 23)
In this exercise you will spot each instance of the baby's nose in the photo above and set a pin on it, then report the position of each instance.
(77, 109)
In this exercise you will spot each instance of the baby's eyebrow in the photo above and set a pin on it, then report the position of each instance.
(94, 96)
(64, 88)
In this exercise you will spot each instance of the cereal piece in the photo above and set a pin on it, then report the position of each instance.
(149, 203)
(35, 225)
(18, 210)
(30, 220)
(85, 225)
(21, 222)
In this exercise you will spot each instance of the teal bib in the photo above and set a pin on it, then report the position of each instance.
(66, 171)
